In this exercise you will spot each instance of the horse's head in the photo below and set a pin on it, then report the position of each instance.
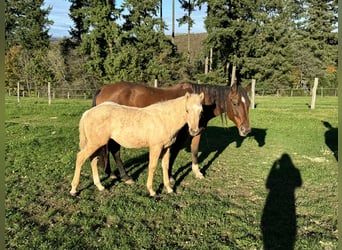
(238, 108)
(193, 105)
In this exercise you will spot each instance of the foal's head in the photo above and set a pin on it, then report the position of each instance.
(193, 105)
(238, 108)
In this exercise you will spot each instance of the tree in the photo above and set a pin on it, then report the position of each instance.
(101, 42)
(77, 16)
(26, 24)
(27, 41)
(320, 29)
(144, 52)
(189, 6)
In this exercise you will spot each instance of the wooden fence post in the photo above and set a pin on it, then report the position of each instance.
(49, 93)
(233, 75)
(314, 91)
(18, 91)
(253, 94)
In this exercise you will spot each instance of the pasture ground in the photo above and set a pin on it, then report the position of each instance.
(277, 187)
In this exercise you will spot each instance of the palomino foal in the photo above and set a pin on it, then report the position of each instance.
(155, 126)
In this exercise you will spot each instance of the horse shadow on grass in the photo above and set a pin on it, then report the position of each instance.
(213, 139)
(279, 219)
(217, 139)
(331, 138)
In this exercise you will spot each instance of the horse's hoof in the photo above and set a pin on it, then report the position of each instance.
(153, 194)
(170, 191)
(101, 188)
(172, 180)
(73, 194)
(199, 176)
(129, 181)
(113, 176)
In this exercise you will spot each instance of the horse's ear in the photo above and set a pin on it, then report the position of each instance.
(201, 96)
(233, 88)
(248, 87)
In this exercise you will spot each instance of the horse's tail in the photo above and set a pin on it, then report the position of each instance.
(95, 96)
(83, 137)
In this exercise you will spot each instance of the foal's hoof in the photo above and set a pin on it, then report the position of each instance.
(199, 175)
(74, 194)
(153, 194)
(170, 191)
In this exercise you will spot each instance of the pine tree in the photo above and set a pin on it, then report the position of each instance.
(77, 16)
(145, 52)
(26, 24)
(320, 29)
(101, 42)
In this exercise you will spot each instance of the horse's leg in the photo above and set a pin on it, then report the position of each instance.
(194, 152)
(114, 148)
(165, 166)
(96, 178)
(82, 156)
(152, 165)
(106, 167)
(182, 137)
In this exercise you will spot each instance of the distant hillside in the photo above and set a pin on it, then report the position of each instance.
(196, 40)
(181, 40)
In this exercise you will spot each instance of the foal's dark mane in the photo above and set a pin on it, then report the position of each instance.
(216, 93)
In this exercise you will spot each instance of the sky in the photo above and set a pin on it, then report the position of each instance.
(62, 22)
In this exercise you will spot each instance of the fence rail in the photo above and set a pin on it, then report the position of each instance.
(69, 93)
(296, 92)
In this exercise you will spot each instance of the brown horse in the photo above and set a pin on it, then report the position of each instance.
(155, 126)
(232, 100)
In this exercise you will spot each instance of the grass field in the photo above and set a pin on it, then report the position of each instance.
(277, 187)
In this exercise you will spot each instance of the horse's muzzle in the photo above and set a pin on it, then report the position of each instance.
(194, 132)
(244, 131)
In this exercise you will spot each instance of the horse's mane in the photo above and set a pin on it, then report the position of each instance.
(217, 94)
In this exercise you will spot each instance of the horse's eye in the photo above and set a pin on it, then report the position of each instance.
(235, 102)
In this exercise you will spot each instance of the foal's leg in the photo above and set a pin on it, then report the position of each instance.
(96, 178)
(152, 165)
(82, 156)
(194, 152)
(165, 166)
(114, 148)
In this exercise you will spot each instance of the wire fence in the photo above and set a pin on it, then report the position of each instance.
(70, 93)
(296, 92)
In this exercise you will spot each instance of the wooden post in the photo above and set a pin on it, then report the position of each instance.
(18, 91)
(227, 70)
(206, 62)
(173, 22)
(233, 75)
(49, 93)
(314, 90)
(211, 60)
(253, 94)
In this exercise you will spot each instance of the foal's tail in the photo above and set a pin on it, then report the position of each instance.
(83, 137)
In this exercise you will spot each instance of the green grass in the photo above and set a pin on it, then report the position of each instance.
(223, 211)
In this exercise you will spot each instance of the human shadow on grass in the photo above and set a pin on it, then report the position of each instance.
(217, 139)
(331, 138)
(279, 219)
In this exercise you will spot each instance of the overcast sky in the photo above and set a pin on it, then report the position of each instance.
(62, 22)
